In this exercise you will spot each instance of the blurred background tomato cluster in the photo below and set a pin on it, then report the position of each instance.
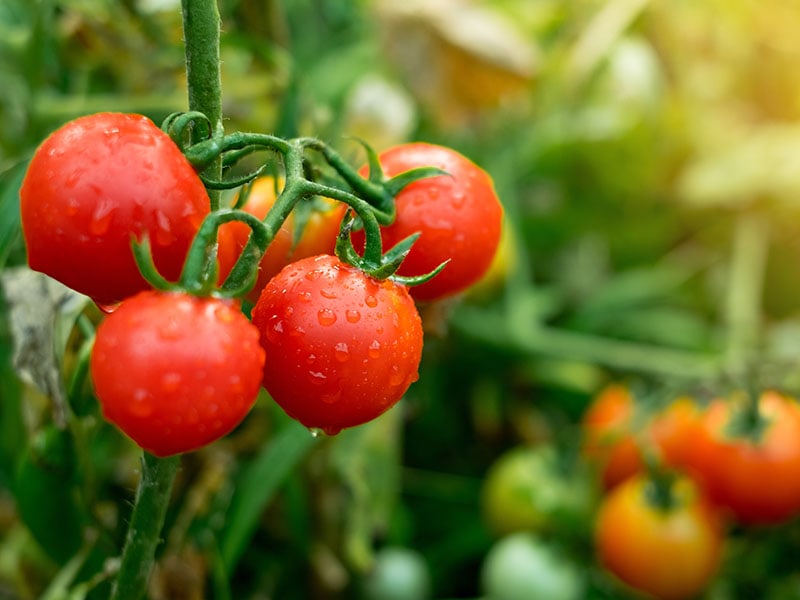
(647, 154)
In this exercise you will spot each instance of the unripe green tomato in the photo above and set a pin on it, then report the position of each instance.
(526, 490)
(399, 574)
(522, 567)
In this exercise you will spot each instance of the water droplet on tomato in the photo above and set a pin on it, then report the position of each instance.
(315, 431)
(313, 275)
(341, 352)
(235, 382)
(371, 301)
(317, 377)
(326, 317)
(164, 233)
(170, 382)
(458, 198)
(140, 407)
(171, 330)
(328, 293)
(101, 219)
(331, 430)
(374, 349)
(274, 329)
(305, 296)
(396, 377)
(353, 316)
(311, 358)
(108, 308)
(72, 207)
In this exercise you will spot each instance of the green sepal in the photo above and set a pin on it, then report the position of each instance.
(392, 259)
(397, 183)
(411, 281)
(143, 255)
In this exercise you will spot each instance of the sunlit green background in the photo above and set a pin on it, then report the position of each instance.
(648, 157)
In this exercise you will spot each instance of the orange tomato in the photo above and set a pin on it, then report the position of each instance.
(669, 551)
(615, 435)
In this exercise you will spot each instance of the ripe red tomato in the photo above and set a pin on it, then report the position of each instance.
(174, 371)
(458, 215)
(318, 235)
(341, 347)
(755, 480)
(614, 440)
(669, 552)
(96, 183)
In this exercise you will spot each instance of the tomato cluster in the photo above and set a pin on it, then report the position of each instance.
(736, 458)
(177, 367)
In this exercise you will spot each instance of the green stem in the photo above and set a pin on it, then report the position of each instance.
(201, 30)
(144, 530)
(743, 303)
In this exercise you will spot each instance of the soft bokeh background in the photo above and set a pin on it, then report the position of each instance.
(648, 157)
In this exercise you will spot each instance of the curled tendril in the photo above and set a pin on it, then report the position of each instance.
(186, 128)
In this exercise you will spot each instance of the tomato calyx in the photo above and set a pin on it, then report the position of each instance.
(747, 422)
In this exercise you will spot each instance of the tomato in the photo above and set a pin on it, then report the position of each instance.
(669, 552)
(318, 235)
(175, 372)
(526, 489)
(458, 216)
(341, 347)
(756, 480)
(521, 566)
(398, 574)
(611, 441)
(94, 185)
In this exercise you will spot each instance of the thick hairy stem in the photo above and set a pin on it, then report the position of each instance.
(144, 530)
(201, 30)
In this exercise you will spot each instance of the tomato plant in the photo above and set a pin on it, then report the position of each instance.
(667, 547)
(750, 467)
(611, 441)
(316, 234)
(341, 347)
(458, 216)
(96, 184)
(175, 372)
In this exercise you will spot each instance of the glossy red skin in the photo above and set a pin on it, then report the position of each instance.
(175, 372)
(94, 184)
(458, 215)
(757, 483)
(342, 347)
(671, 554)
(318, 236)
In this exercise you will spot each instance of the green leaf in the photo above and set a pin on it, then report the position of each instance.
(10, 226)
(257, 484)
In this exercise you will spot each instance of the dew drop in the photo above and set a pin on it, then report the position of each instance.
(331, 430)
(72, 207)
(170, 382)
(396, 377)
(326, 317)
(317, 377)
(101, 219)
(371, 301)
(140, 407)
(171, 330)
(305, 296)
(328, 293)
(352, 315)
(458, 198)
(274, 329)
(313, 275)
(311, 358)
(374, 349)
(433, 193)
(108, 308)
(315, 431)
(341, 352)
(164, 233)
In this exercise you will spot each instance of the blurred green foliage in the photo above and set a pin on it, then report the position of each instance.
(630, 141)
